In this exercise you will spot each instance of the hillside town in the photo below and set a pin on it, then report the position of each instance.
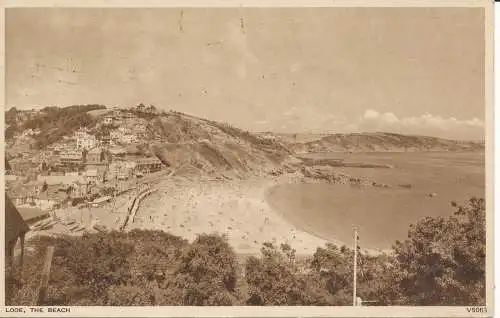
(88, 167)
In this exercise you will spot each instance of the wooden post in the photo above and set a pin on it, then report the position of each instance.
(354, 298)
(42, 290)
(21, 258)
(10, 254)
(90, 215)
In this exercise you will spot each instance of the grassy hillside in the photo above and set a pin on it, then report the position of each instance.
(211, 146)
(379, 141)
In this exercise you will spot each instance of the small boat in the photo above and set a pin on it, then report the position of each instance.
(47, 226)
(35, 228)
(99, 228)
(74, 227)
(68, 221)
(41, 224)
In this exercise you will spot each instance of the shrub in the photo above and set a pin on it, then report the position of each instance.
(208, 272)
(443, 260)
(441, 263)
(274, 280)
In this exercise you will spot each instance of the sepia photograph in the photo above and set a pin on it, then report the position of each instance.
(239, 156)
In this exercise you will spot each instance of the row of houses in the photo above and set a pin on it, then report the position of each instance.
(129, 167)
(50, 192)
(47, 192)
(84, 140)
(121, 135)
(96, 159)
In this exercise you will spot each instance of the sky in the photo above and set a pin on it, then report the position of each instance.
(406, 70)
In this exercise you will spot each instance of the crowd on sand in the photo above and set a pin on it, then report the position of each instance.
(235, 208)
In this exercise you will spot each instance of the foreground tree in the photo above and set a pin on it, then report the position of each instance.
(207, 273)
(443, 260)
(275, 280)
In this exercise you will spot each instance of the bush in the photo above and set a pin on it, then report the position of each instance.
(443, 260)
(441, 263)
(274, 280)
(208, 273)
(125, 269)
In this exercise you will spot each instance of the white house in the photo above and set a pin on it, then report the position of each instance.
(123, 130)
(109, 120)
(91, 175)
(85, 141)
(128, 139)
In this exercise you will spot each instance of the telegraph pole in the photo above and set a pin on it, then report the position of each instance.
(354, 300)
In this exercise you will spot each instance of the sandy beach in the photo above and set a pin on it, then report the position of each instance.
(235, 208)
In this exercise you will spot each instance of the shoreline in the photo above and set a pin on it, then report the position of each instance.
(238, 209)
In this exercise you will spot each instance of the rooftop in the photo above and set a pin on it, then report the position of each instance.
(147, 160)
(18, 191)
(53, 194)
(29, 213)
(96, 150)
(53, 180)
(117, 150)
(35, 183)
(91, 173)
(10, 177)
(19, 160)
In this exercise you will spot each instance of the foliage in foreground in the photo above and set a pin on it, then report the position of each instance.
(441, 263)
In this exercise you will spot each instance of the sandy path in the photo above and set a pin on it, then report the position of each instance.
(236, 208)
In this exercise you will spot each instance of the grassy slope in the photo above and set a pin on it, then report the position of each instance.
(211, 146)
(384, 142)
